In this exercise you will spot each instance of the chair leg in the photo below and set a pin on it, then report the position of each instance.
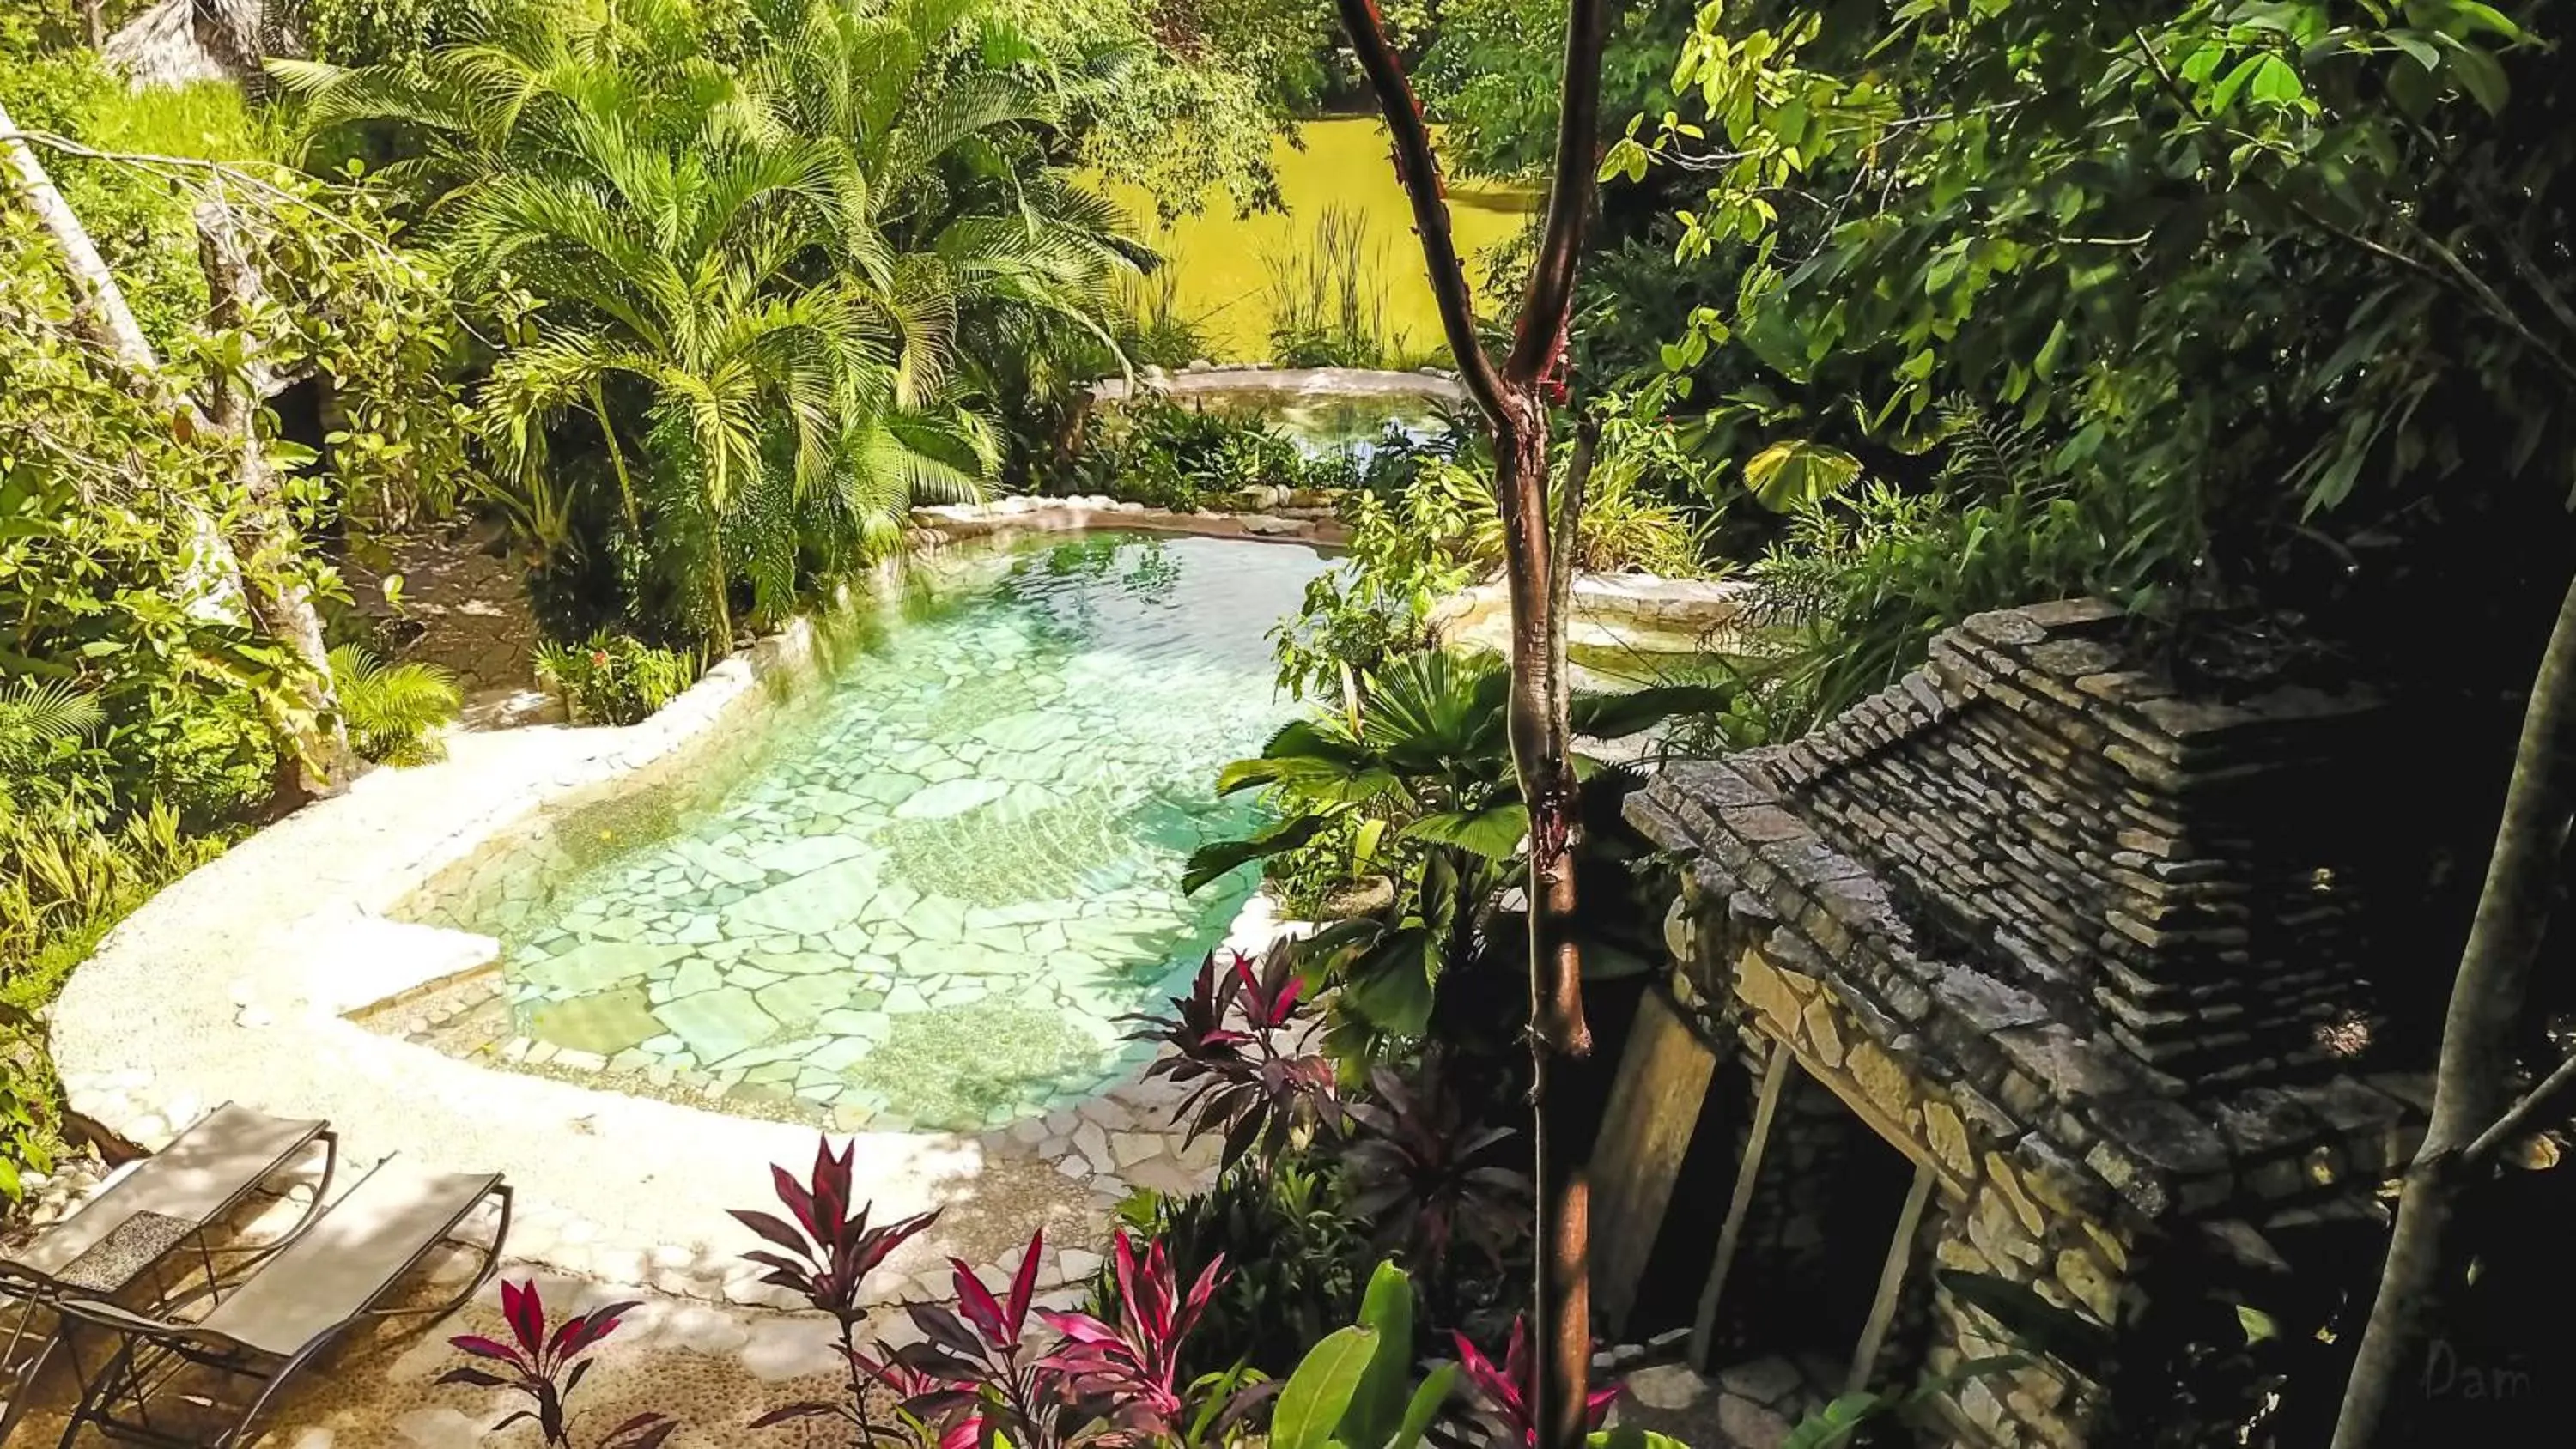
(95, 1392)
(24, 1374)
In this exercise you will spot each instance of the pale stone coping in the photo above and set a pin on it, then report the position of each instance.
(1639, 611)
(1006, 516)
(239, 982)
(1216, 381)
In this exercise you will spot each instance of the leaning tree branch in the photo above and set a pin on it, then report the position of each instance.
(1541, 333)
(1419, 172)
(2511, 1125)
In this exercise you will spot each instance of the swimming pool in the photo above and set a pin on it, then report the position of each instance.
(925, 892)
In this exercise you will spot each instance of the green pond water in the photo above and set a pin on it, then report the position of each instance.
(928, 890)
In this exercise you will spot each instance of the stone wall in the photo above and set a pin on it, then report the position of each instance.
(2188, 868)
(1928, 903)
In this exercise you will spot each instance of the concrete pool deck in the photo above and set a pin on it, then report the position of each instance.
(239, 983)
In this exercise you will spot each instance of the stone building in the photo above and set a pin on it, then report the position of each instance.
(2028, 969)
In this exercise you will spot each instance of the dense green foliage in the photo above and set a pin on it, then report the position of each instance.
(1423, 779)
(1426, 526)
(1165, 455)
(738, 298)
(614, 679)
(394, 711)
(2246, 286)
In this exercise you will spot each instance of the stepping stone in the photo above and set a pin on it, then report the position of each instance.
(1028, 730)
(950, 797)
(799, 1000)
(725, 865)
(718, 1024)
(599, 965)
(695, 975)
(925, 959)
(801, 963)
(811, 904)
(805, 854)
(606, 1024)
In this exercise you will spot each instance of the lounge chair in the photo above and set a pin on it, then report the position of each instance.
(125, 1234)
(159, 1378)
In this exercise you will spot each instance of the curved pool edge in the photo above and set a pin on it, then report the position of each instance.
(240, 981)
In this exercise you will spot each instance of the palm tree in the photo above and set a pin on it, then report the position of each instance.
(752, 277)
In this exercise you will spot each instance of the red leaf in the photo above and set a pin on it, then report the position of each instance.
(776, 1231)
(482, 1347)
(526, 1313)
(474, 1376)
(1024, 1286)
(798, 1200)
(1080, 1327)
(977, 1303)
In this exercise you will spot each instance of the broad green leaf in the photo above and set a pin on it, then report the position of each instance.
(2275, 83)
(1494, 832)
(1617, 716)
(1787, 475)
(1218, 857)
(1319, 1392)
(2481, 75)
(1366, 842)
(1390, 987)
(2258, 1325)
(1428, 1399)
(1386, 1309)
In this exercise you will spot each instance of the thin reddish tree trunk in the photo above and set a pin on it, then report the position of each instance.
(1514, 400)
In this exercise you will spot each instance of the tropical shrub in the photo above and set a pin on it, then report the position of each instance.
(1405, 555)
(2264, 284)
(546, 1368)
(1293, 1251)
(1862, 580)
(394, 711)
(614, 679)
(1427, 526)
(1156, 452)
(1428, 1175)
(1427, 763)
(751, 334)
(825, 1249)
(1252, 1087)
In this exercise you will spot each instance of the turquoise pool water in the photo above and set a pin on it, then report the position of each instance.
(936, 882)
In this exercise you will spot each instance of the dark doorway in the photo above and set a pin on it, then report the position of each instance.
(1816, 1233)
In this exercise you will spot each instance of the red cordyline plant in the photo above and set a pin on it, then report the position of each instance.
(1248, 1083)
(1134, 1366)
(988, 1382)
(1508, 1391)
(1428, 1174)
(829, 1249)
(546, 1369)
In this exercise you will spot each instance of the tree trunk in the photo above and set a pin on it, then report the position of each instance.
(99, 312)
(316, 736)
(94, 23)
(2471, 1086)
(1514, 401)
(212, 581)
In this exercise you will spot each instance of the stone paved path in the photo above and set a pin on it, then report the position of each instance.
(467, 612)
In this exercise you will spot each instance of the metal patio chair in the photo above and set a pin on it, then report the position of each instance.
(165, 1203)
(163, 1381)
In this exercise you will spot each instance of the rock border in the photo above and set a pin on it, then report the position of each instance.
(247, 981)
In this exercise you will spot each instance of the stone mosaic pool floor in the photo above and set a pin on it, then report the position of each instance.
(937, 883)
